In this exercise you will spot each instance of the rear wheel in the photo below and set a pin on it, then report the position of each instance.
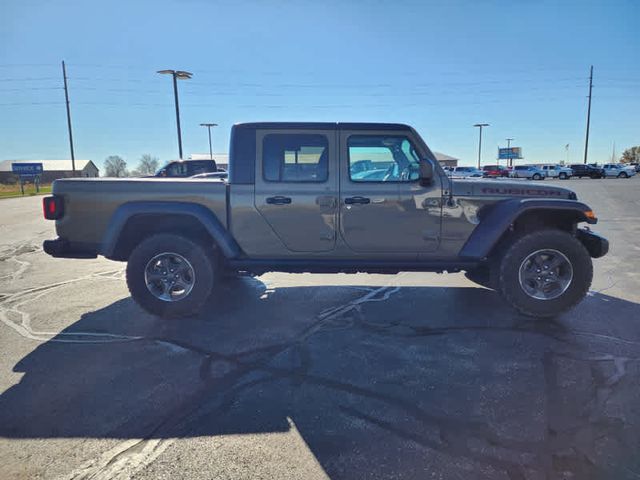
(170, 275)
(545, 273)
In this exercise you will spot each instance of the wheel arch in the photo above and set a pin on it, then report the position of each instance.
(134, 221)
(502, 221)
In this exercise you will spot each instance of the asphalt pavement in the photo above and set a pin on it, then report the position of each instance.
(317, 376)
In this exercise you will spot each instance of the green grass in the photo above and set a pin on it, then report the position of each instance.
(12, 191)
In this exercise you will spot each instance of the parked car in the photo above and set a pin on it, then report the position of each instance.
(581, 170)
(180, 239)
(636, 166)
(557, 171)
(465, 172)
(494, 171)
(528, 171)
(618, 170)
(186, 168)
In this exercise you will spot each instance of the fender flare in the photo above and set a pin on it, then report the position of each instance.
(228, 246)
(501, 216)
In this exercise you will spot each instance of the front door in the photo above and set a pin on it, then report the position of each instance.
(296, 187)
(383, 206)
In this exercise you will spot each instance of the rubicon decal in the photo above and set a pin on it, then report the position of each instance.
(539, 192)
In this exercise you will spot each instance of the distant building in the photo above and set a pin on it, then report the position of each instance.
(221, 159)
(446, 160)
(52, 169)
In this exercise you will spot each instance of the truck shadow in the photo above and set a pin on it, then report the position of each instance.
(390, 382)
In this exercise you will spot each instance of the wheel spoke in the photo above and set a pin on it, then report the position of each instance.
(154, 276)
(556, 262)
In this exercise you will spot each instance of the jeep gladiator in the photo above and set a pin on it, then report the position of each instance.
(328, 197)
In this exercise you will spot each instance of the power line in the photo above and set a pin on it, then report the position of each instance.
(26, 79)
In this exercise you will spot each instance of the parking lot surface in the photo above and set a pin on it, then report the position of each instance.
(317, 376)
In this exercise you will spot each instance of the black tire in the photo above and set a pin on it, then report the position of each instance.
(509, 279)
(563, 176)
(201, 261)
(623, 175)
(537, 176)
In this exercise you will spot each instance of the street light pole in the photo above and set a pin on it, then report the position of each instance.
(209, 125)
(480, 125)
(177, 75)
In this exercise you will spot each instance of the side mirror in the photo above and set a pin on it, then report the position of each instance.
(426, 172)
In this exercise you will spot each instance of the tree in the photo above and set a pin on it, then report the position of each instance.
(115, 166)
(148, 165)
(631, 155)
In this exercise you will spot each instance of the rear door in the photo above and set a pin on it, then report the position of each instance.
(296, 187)
(383, 207)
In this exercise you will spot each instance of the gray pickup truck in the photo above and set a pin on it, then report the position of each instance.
(329, 197)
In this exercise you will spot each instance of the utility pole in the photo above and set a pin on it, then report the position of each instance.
(586, 140)
(209, 125)
(66, 97)
(177, 75)
(480, 125)
(510, 161)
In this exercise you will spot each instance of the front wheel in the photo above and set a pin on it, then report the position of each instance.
(537, 176)
(545, 273)
(563, 176)
(623, 175)
(170, 275)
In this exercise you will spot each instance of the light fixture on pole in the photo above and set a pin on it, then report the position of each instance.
(480, 125)
(177, 75)
(209, 125)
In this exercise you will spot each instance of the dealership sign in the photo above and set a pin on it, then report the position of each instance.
(509, 153)
(27, 169)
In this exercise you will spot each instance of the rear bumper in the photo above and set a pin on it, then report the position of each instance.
(61, 248)
(596, 245)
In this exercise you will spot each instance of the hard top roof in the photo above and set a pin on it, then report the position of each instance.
(325, 125)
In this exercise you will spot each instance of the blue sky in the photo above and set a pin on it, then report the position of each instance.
(521, 66)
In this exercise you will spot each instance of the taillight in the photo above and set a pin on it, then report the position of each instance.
(52, 207)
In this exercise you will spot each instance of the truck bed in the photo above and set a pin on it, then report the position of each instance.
(90, 203)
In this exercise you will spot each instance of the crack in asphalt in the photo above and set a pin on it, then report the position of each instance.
(134, 455)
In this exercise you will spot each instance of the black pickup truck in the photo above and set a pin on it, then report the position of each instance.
(329, 197)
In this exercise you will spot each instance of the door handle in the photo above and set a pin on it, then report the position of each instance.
(278, 200)
(360, 200)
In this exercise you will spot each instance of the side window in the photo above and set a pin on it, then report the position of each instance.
(382, 158)
(295, 158)
(201, 167)
(177, 169)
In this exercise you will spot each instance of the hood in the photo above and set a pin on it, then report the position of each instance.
(510, 189)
